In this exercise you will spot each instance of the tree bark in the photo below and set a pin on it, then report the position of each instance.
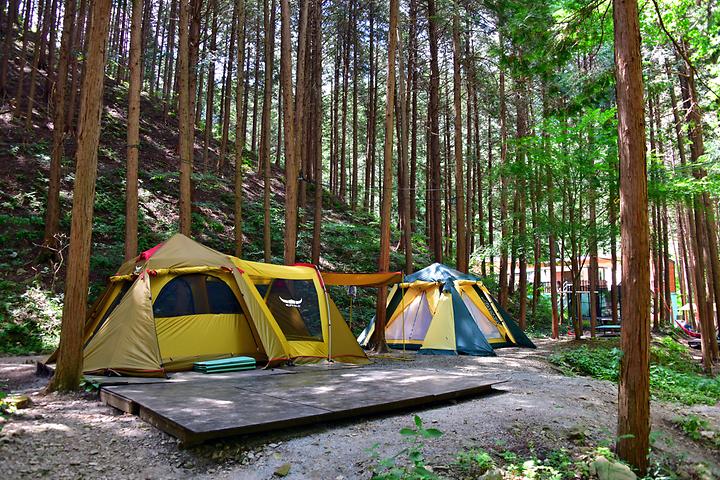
(52, 213)
(433, 163)
(239, 127)
(460, 227)
(378, 339)
(634, 388)
(317, 129)
(133, 133)
(70, 352)
(185, 127)
(269, 46)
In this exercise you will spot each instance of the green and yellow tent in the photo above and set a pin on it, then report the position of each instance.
(439, 310)
(182, 302)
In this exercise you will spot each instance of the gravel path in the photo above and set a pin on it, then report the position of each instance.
(536, 411)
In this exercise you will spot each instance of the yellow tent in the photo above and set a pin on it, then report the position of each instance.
(181, 302)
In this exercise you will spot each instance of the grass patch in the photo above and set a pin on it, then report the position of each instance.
(674, 374)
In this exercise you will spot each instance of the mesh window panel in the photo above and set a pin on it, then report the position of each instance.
(221, 298)
(295, 306)
(487, 328)
(195, 294)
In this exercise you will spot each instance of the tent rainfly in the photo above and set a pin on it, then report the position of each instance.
(182, 302)
(439, 310)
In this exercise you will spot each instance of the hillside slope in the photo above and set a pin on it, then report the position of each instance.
(32, 286)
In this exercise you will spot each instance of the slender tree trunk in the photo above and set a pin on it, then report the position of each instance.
(370, 114)
(593, 272)
(634, 387)
(317, 129)
(228, 95)
(433, 164)
(52, 213)
(403, 165)
(503, 280)
(239, 127)
(133, 134)
(210, 102)
(384, 257)
(460, 235)
(185, 125)
(70, 356)
(289, 111)
(269, 45)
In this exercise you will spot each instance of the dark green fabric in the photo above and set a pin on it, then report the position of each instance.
(435, 351)
(408, 346)
(469, 339)
(520, 337)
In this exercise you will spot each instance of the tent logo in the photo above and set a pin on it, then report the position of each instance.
(291, 303)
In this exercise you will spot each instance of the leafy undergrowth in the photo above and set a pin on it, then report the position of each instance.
(412, 463)
(674, 375)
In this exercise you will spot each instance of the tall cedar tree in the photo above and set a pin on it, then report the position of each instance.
(634, 385)
(239, 127)
(461, 242)
(70, 352)
(52, 211)
(133, 134)
(185, 127)
(378, 340)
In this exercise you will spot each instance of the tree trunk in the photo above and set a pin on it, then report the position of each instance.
(210, 102)
(239, 126)
(52, 213)
(70, 352)
(378, 339)
(133, 134)
(593, 272)
(433, 164)
(228, 95)
(503, 280)
(317, 129)
(634, 388)
(269, 46)
(461, 239)
(185, 127)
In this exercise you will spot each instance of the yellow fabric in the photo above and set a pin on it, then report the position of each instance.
(342, 343)
(343, 346)
(441, 334)
(407, 299)
(207, 335)
(177, 252)
(265, 272)
(127, 340)
(487, 295)
(361, 279)
(470, 293)
(433, 297)
(131, 339)
(272, 338)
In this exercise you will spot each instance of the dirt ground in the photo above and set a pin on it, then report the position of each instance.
(536, 411)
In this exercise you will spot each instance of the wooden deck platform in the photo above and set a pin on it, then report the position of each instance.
(207, 407)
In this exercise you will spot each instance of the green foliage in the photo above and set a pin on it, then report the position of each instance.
(674, 376)
(474, 462)
(699, 430)
(408, 463)
(29, 318)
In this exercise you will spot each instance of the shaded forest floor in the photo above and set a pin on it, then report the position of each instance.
(538, 414)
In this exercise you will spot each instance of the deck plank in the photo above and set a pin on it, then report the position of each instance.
(201, 409)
